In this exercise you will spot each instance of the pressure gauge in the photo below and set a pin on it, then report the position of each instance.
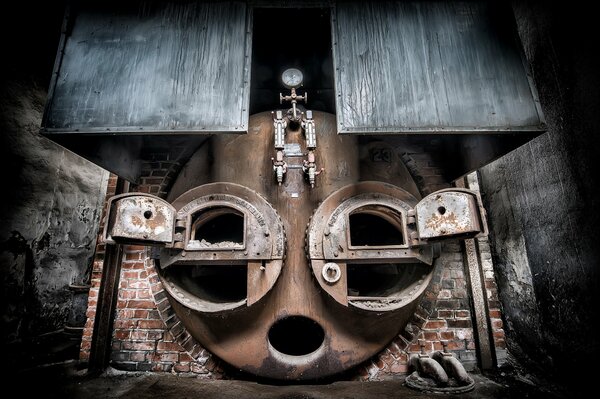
(292, 78)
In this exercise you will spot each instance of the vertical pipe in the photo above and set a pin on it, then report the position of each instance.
(107, 300)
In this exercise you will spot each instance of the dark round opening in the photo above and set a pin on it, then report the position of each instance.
(378, 228)
(441, 210)
(216, 283)
(218, 227)
(148, 214)
(296, 336)
(383, 280)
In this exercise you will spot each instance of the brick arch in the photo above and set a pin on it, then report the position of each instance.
(203, 362)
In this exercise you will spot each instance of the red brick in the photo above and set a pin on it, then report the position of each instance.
(140, 335)
(133, 275)
(154, 335)
(151, 324)
(133, 256)
(498, 334)
(139, 284)
(462, 323)
(138, 356)
(138, 346)
(131, 248)
(168, 337)
(86, 345)
(169, 357)
(135, 304)
(127, 294)
(185, 357)
(456, 345)
(435, 324)
(445, 314)
(462, 313)
(141, 313)
(182, 367)
(168, 346)
(495, 314)
(387, 358)
(430, 335)
(447, 334)
(124, 324)
(143, 294)
(122, 334)
(497, 323)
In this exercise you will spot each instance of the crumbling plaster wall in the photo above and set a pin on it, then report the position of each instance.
(542, 200)
(51, 199)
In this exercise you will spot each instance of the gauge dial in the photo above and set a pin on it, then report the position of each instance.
(292, 78)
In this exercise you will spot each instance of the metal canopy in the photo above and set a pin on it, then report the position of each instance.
(153, 68)
(430, 67)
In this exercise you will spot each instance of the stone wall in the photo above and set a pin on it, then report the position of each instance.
(51, 205)
(542, 200)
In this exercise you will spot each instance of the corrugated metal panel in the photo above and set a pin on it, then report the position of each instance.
(422, 66)
(153, 67)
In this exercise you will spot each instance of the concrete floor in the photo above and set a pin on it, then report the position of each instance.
(61, 382)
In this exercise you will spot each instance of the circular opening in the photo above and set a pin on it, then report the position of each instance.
(148, 214)
(375, 226)
(383, 280)
(441, 210)
(296, 336)
(216, 283)
(218, 227)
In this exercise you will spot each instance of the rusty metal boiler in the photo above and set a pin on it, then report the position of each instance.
(285, 271)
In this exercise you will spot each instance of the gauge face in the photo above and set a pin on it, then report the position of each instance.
(291, 78)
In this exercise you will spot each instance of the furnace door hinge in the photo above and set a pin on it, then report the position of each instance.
(138, 218)
(448, 213)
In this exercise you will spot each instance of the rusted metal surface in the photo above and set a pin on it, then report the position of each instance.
(139, 218)
(485, 341)
(439, 372)
(225, 274)
(450, 212)
(278, 293)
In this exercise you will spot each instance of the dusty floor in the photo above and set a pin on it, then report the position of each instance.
(60, 382)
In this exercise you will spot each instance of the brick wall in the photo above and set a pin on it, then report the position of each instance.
(148, 336)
